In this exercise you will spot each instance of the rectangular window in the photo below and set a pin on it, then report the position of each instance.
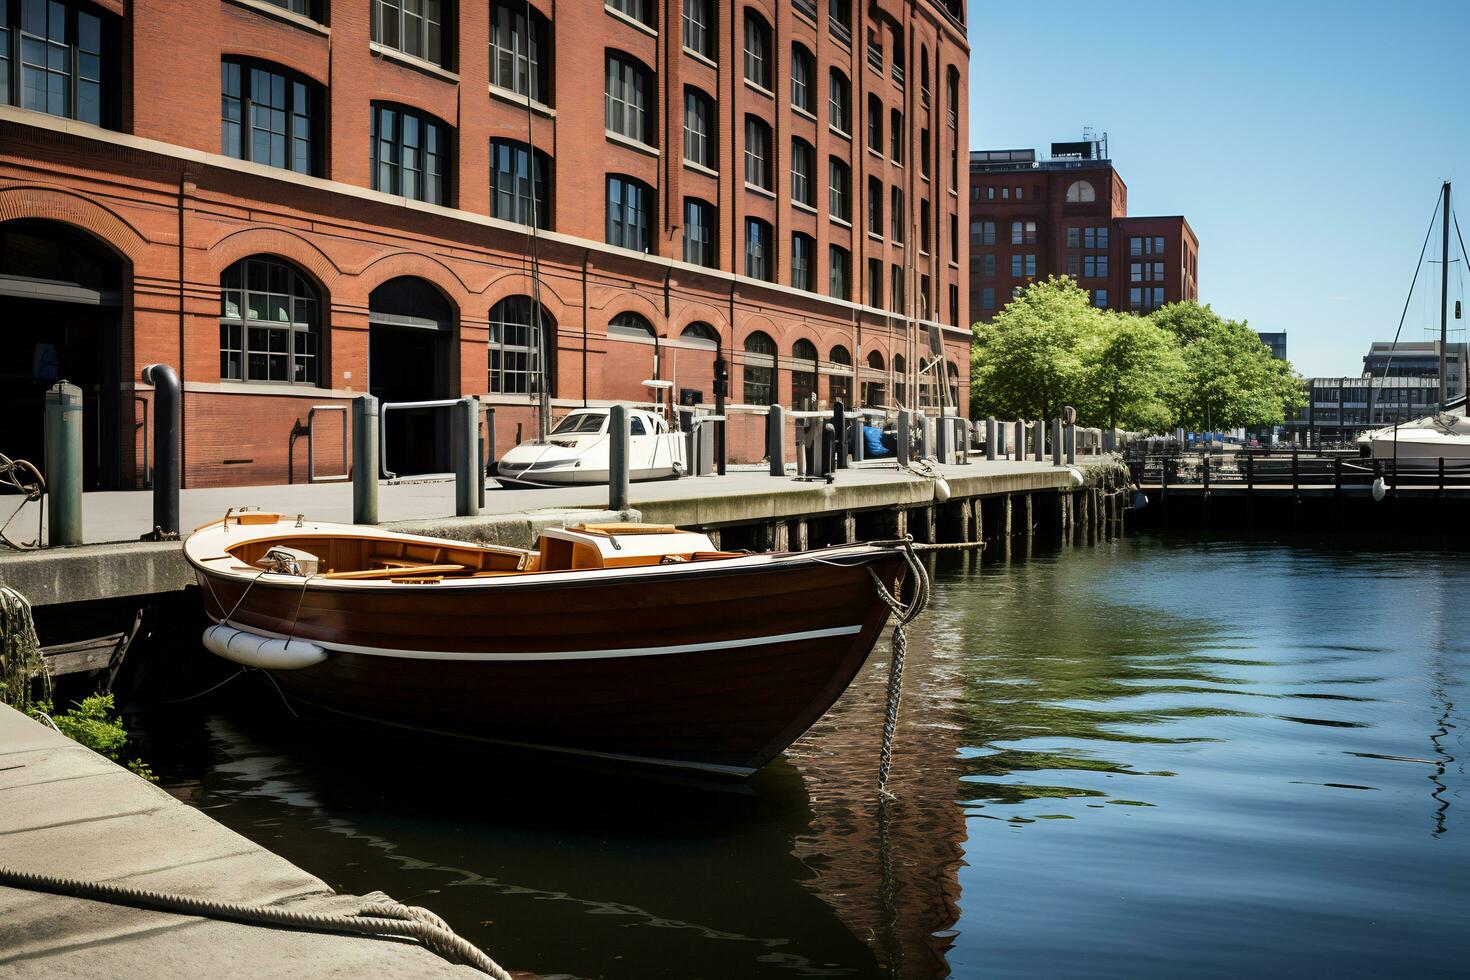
(518, 183)
(1095, 238)
(990, 193)
(410, 154)
(1023, 265)
(699, 122)
(699, 35)
(626, 100)
(59, 59)
(1095, 266)
(896, 292)
(1074, 237)
(875, 123)
(954, 238)
(802, 249)
(987, 267)
(982, 232)
(839, 189)
(757, 153)
(1100, 298)
(699, 232)
(895, 215)
(954, 306)
(895, 136)
(1031, 265)
(1074, 266)
(639, 10)
(517, 49)
(757, 48)
(837, 102)
(1016, 266)
(987, 298)
(924, 152)
(839, 20)
(875, 205)
(839, 263)
(629, 213)
(803, 167)
(758, 249)
(924, 228)
(875, 283)
(415, 27)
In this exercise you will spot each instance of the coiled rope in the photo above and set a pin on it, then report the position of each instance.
(906, 615)
(376, 919)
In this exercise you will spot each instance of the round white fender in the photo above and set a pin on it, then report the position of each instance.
(254, 650)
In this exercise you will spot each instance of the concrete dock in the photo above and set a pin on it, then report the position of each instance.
(116, 565)
(65, 810)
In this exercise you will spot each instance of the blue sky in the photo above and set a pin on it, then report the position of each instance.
(1304, 141)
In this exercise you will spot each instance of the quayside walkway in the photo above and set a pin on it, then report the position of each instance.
(66, 811)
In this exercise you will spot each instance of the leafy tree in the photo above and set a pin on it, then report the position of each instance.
(1027, 362)
(1133, 370)
(1230, 379)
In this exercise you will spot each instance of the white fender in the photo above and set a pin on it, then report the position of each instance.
(941, 489)
(254, 650)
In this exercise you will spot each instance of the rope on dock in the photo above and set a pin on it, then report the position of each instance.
(906, 615)
(376, 919)
(949, 546)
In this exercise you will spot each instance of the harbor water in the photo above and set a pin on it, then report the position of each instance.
(1151, 757)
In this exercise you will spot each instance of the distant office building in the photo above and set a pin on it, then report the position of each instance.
(1338, 410)
(1068, 215)
(1417, 359)
(1277, 343)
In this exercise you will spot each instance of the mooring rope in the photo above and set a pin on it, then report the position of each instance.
(906, 615)
(387, 918)
(24, 680)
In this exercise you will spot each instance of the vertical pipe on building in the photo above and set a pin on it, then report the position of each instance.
(364, 460)
(617, 471)
(63, 461)
(184, 182)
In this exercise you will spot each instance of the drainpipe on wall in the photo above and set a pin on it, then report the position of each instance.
(186, 182)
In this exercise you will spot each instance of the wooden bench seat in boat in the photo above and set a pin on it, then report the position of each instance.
(400, 571)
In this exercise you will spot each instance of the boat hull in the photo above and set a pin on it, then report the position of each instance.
(717, 668)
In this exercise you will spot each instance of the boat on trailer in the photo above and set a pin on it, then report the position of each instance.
(629, 642)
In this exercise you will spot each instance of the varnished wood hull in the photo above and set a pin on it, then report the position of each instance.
(717, 666)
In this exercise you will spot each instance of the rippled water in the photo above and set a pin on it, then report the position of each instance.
(1152, 757)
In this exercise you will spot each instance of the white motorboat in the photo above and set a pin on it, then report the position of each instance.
(578, 450)
(1443, 435)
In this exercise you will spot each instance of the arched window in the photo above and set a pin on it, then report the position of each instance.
(757, 50)
(839, 101)
(924, 74)
(410, 153)
(699, 27)
(416, 27)
(700, 144)
(270, 323)
(268, 115)
(516, 347)
(631, 99)
(840, 385)
(1080, 192)
(900, 381)
(630, 324)
(803, 79)
(952, 95)
(875, 390)
(701, 334)
(804, 375)
(64, 59)
(759, 382)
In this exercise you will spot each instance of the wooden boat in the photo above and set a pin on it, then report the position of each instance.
(627, 642)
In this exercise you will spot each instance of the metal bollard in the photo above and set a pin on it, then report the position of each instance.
(1001, 451)
(901, 444)
(617, 458)
(1069, 440)
(1038, 433)
(165, 448)
(941, 439)
(776, 439)
(839, 428)
(63, 430)
(464, 437)
(1056, 442)
(990, 434)
(364, 460)
(1020, 448)
(831, 450)
(859, 439)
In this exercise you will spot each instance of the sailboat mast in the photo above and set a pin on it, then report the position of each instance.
(1444, 300)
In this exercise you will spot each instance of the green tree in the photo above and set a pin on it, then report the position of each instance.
(1230, 379)
(1027, 362)
(1133, 370)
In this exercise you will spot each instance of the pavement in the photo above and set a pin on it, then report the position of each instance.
(65, 810)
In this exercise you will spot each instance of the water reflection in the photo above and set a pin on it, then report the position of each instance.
(1110, 761)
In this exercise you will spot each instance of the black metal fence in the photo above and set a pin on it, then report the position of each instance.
(1297, 470)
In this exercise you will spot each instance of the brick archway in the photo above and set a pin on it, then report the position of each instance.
(50, 204)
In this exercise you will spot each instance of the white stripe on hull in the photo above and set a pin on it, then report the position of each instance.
(745, 642)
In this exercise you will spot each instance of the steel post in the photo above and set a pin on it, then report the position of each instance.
(991, 430)
(776, 439)
(901, 445)
(617, 470)
(364, 460)
(464, 437)
(165, 448)
(63, 429)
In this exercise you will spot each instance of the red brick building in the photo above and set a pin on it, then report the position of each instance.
(1031, 218)
(296, 201)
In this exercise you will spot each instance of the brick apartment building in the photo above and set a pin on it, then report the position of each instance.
(296, 201)
(1032, 218)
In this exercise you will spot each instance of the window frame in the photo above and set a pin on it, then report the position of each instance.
(428, 124)
(630, 98)
(294, 87)
(764, 260)
(707, 138)
(502, 353)
(757, 152)
(529, 52)
(620, 227)
(293, 328)
(759, 61)
(400, 21)
(705, 248)
(538, 176)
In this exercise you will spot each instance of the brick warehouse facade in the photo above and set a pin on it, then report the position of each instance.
(377, 238)
(1031, 219)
